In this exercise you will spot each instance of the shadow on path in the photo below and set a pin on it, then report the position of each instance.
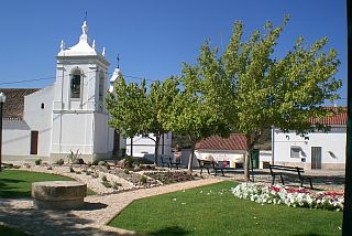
(50, 222)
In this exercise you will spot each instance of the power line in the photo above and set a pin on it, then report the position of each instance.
(60, 76)
(27, 81)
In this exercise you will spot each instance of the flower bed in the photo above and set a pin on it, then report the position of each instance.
(170, 177)
(278, 194)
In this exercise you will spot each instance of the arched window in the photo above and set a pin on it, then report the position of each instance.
(75, 85)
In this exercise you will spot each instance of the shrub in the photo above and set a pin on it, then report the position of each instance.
(95, 162)
(104, 179)
(143, 179)
(107, 184)
(79, 161)
(102, 163)
(126, 171)
(60, 162)
(71, 169)
(72, 157)
(115, 185)
(129, 162)
(38, 162)
(27, 165)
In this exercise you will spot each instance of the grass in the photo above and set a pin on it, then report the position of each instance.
(17, 184)
(4, 230)
(213, 210)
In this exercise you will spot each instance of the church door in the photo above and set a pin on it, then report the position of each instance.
(34, 142)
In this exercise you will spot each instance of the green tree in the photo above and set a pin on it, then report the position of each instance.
(199, 104)
(278, 92)
(127, 106)
(159, 98)
(134, 110)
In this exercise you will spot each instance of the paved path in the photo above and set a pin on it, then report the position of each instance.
(91, 220)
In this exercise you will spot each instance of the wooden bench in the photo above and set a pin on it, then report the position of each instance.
(174, 163)
(206, 164)
(165, 161)
(282, 170)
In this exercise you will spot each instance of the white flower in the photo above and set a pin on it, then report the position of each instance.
(278, 194)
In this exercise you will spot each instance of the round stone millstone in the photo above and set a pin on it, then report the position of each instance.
(59, 194)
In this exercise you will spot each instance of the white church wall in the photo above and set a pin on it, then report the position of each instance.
(73, 132)
(15, 139)
(38, 115)
(101, 133)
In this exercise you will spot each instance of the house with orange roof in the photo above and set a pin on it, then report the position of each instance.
(229, 151)
(314, 150)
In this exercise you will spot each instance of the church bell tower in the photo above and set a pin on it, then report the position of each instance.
(80, 121)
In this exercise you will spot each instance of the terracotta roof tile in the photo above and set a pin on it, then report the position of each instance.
(234, 142)
(14, 105)
(339, 118)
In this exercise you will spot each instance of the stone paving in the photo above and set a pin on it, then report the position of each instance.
(100, 209)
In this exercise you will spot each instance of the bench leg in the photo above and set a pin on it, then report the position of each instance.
(273, 181)
(222, 172)
(208, 171)
(310, 183)
(282, 180)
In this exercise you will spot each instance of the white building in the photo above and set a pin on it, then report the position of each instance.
(315, 150)
(142, 145)
(229, 151)
(67, 116)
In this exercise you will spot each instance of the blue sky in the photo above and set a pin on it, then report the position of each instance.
(152, 37)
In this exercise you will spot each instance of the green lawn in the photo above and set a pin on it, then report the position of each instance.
(213, 210)
(17, 184)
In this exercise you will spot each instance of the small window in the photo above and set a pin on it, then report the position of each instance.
(101, 88)
(76, 86)
(295, 152)
(42, 106)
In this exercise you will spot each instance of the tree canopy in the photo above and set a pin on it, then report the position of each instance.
(246, 89)
(278, 92)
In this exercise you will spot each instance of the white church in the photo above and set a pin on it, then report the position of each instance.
(69, 115)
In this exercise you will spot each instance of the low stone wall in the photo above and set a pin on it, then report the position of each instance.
(59, 194)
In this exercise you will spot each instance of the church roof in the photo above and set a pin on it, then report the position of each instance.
(14, 105)
(82, 48)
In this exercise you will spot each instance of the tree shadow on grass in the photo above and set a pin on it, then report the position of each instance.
(171, 230)
(7, 189)
(308, 234)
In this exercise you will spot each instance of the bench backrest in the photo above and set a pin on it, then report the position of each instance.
(297, 169)
(204, 163)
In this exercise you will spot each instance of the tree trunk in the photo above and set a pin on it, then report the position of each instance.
(247, 160)
(156, 148)
(131, 144)
(246, 166)
(190, 160)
